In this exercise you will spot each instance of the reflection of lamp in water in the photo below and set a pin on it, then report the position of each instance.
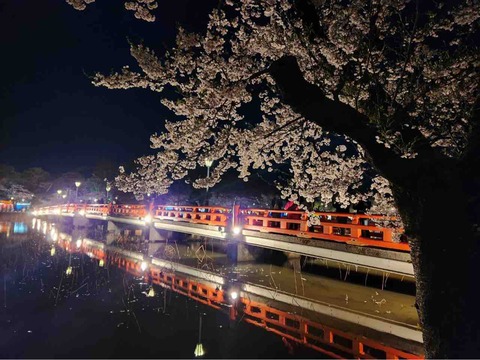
(199, 351)
(234, 295)
(101, 263)
(151, 292)
(52, 251)
(69, 270)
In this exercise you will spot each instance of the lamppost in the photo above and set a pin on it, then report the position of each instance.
(77, 185)
(108, 188)
(59, 193)
(208, 163)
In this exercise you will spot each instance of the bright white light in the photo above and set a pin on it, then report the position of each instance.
(147, 218)
(78, 183)
(81, 212)
(199, 351)
(52, 251)
(56, 211)
(101, 263)
(95, 200)
(143, 266)
(79, 243)
(69, 270)
(237, 230)
(34, 213)
(208, 162)
(234, 295)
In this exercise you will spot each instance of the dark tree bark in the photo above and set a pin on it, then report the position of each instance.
(436, 199)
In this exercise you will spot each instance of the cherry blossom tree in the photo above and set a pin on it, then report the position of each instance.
(344, 89)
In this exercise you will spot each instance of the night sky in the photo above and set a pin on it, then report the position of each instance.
(51, 115)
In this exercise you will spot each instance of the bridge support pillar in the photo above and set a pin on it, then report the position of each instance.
(291, 255)
(112, 231)
(111, 226)
(80, 221)
(155, 235)
(238, 252)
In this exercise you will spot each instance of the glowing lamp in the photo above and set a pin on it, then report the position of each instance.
(143, 266)
(69, 270)
(234, 295)
(52, 251)
(199, 351)
(79, 243)
(101, 263)
(237, 230)
(148, 218)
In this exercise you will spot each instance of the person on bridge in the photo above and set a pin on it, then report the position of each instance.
(291, 206)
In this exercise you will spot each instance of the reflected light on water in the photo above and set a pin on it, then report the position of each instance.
(20, 228)
(52, 251)
(54, 234)
(69, 270)
(101, 263)
(234, 295)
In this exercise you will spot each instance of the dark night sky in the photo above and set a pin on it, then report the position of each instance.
(51, 115)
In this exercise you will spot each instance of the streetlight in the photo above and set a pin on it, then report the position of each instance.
(108, 188)
(59, 193)
(208, 163)
(77, 184)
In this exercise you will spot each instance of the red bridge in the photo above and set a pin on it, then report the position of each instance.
(353, 229)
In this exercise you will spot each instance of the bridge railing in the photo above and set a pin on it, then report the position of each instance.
(358, 229)
(209, 215)
(137, 211)
(355, 229)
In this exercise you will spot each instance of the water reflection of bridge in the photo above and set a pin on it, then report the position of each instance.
(332, 330)
(347, 238)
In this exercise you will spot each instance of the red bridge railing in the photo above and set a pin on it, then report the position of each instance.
(354, 229)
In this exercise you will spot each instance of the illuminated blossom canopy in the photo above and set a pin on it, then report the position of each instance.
(411, 71)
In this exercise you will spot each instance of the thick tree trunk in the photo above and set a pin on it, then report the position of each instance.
(434, 196)
(446, 262)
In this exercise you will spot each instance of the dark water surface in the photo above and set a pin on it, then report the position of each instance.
(101, 312)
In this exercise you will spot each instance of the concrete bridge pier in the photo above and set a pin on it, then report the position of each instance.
(80, 221)
(156, 239)
(239, 252)
(113, 230)
(154, 235)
